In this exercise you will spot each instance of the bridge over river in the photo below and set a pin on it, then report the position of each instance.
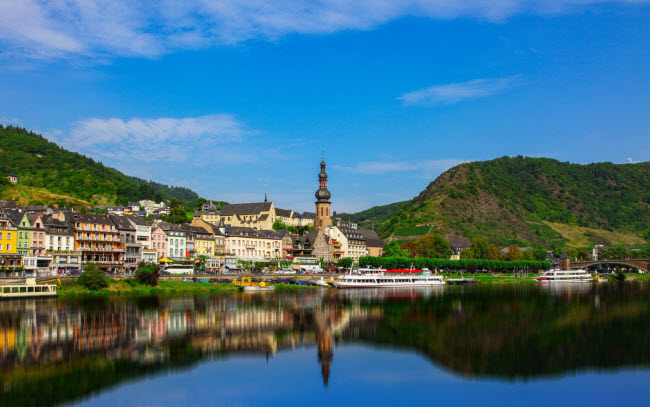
(641, 264)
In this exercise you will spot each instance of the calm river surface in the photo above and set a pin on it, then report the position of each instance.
(504, 346)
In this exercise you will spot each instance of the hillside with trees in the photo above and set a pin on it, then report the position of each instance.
(536, 202)
(40, 163)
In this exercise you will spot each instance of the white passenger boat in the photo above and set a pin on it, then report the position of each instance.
(258, 288)
(377, 280)
(565, 276)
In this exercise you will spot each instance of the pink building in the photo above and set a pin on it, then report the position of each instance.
(159, 242)
(37, 241)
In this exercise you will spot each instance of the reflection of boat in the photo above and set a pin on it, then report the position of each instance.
(564, 276)
(567, 289)
(398, 294)
(381, 280)
(258, 288)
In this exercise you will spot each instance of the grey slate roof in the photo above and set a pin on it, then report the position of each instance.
(15, 216)
(90, 218)
(55, 226)
(372, 238)
(122, 223)
(352, 233)
(286, 213)
(245, 208)
(309, 215)
(137, 220)
(250, 232)
(10, 204)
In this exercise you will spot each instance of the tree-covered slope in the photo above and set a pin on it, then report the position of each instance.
(377, 214)
(40, 163)
(521, 200)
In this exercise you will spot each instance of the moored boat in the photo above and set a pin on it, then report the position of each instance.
(556, 276)
(379, 280)
(258, 288)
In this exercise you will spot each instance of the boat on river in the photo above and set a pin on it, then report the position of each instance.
(250, 285)
(258, 288)
(391, 278)
(557, 276)
(321, 283)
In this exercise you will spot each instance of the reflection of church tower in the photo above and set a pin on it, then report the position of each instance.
(323, 196)
(324, 340)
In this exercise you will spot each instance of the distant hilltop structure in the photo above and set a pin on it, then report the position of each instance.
(13, 178)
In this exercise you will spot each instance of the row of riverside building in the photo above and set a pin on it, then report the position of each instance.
(42, 240)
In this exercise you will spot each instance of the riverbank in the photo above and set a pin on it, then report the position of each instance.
(70, 287)
(127, 286)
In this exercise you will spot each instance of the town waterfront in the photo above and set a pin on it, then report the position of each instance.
(495, 345)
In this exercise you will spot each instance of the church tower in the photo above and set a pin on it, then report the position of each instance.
(323, 203)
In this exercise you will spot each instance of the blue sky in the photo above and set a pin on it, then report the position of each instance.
(234, 99)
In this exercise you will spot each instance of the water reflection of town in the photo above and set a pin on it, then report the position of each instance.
(40, 332)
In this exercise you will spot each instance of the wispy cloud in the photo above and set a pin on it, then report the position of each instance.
(60, 28)
(457, 92)
(160, 139)
(425, 167)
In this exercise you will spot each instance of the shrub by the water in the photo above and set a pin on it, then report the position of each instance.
(147, 274)
(620, 276)
(93, 278)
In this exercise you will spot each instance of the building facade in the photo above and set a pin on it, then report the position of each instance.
(253, 245)
(159, 242)
(97, 238)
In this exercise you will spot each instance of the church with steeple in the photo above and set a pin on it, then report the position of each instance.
(323, 195)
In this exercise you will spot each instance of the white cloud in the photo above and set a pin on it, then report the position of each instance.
(163, 139)
(457, 92)
(130, 28)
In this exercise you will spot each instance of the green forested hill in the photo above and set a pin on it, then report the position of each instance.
(40, 163)
(378, 214)
(531, 201)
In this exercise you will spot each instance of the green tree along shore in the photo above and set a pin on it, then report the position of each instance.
(42, 164)
(536, 202)
(472, 265)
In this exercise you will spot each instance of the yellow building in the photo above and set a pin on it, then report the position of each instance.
(213, 217)
(258, 216)
(8, 235)
(9, 256)
(203, 241)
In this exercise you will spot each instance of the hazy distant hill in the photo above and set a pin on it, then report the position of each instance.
(40, 163)
(529, 201)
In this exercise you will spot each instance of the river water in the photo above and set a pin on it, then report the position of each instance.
(508, 345)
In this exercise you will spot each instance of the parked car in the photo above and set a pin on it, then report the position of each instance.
(187, 280)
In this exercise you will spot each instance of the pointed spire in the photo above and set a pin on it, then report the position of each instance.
(265, 199)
